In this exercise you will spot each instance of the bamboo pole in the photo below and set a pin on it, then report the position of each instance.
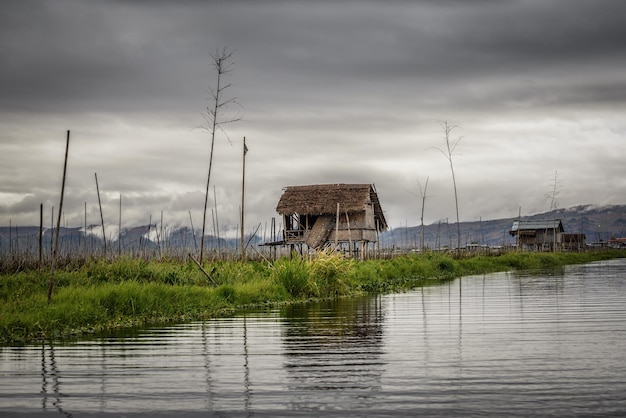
(159, 235)
(519, 221)
(119, 231)
(337, 226)
(377, 248)
(40, 235)
(85, 233)
(217, 225)
(56, 240)
(349, 235)
(51, 230)
(104, 237)
(193, 233)
(243, 188)
(202, 269)
(147, 240)
(206, 201)
(273, 249)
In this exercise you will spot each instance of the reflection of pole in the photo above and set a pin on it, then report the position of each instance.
(460, 342)
(460, 295)
(44, 375)
(246, 371)
(103, 398)
(54, 373)
(207, 367)
(425, 327)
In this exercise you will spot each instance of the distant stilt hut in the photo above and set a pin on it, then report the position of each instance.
(538, 235)
(347, 217)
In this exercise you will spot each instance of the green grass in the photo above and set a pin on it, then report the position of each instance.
(103, 295)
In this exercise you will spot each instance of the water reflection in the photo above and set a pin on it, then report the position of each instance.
(335, 350)
(50, 380)
(506, 344)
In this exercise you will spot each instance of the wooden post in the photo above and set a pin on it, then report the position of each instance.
(349, 236)
(104, 237)
(202, 270)
(273, 232)
(193, 232)
(56, 240)
(206, 200)
(119, 231)
(159, 235)
(217, 225)
(519, 221)
(86, 251)
(243, 187)
(148, 237)
(337, 226)
(40, 235)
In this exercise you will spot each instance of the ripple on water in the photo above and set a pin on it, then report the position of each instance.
(502, 344)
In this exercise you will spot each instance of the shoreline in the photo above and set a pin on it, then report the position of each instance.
(108, 295)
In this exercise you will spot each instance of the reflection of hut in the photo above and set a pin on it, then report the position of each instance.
(538, 234)
(310, 215)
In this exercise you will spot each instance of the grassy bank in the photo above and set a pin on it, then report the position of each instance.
(103, 295)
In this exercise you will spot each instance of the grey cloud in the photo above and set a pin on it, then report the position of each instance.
(331, 92)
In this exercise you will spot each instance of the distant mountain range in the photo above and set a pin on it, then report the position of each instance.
(598, 223)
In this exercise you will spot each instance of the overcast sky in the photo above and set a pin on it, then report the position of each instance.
(329, 92)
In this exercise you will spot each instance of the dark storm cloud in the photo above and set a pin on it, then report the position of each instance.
(132, 52)
(64, 55)
(331, 92)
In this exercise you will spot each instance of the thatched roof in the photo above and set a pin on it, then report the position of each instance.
(322, 199)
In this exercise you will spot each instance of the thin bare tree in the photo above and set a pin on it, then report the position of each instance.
(58, 227)
(104, 237)
(553, 204)
(215, 119)
(422, 195)
(448, 152)
(555, 191)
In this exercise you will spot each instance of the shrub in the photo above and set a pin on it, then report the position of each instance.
(227, 292)
(293, 275)
(445, 266)
(329, 271)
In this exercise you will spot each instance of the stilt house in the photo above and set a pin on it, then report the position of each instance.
(538, 235)
(331, 215)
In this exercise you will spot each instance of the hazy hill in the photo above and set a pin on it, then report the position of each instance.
(597, 223)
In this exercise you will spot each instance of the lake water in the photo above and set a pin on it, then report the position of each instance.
(506, 344)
